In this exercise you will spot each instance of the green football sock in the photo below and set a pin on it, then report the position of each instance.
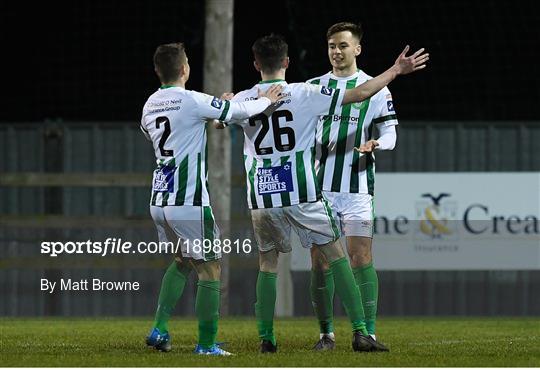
(322, 298)
(207, 311)
(172, 287)
(266, 302)
(330, 287)
(366, 278)
(349, 293)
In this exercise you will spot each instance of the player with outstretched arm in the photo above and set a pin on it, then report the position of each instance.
(282, 189)
(345, 167)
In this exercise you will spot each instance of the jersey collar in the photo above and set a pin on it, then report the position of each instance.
(163, 87)
(271, 81)
(355, 74)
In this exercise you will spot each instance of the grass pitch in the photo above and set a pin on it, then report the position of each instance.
(416, 342)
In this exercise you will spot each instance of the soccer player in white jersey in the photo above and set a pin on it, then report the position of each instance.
(346, 175)
(282, 189)
(174, 120)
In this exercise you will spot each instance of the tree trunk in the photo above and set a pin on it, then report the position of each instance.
(218, 59)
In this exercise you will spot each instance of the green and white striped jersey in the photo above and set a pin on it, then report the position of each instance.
(339, 167)
(279, 149)
(174, 119)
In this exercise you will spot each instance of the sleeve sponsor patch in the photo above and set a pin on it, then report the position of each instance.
(390, 105)
(217, 103)
(326, 91)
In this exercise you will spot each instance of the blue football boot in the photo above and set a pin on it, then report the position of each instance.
(215, 350)
(158, 340)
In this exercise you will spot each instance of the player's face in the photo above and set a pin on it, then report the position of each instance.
(343, 48)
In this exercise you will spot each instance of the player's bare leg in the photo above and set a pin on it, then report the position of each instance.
(359, 250)
(266, 299)
(322, 297)
(209, 270)
(268, 261)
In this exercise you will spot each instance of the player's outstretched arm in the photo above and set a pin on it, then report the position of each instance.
(402, 66)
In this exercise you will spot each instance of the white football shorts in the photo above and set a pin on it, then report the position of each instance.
(355, 212)
(315, 223)
(194, 225)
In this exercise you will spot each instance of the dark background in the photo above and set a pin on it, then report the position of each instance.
(93, 61)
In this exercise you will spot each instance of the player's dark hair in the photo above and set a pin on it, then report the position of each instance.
(354, 28)
(269, 52)
(168, 58)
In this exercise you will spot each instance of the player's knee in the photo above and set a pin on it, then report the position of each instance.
(318, 261)
(268, 261)
(359, 260)
(359, 250)
(331, 251)
(209, 270)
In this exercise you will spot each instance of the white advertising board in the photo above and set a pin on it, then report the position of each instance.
(453, 221)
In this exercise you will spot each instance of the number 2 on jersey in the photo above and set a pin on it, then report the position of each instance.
(276, 130)
(166, 132)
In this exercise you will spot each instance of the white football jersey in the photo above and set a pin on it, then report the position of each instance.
(279, 149)
(339, 167)
(174, 119)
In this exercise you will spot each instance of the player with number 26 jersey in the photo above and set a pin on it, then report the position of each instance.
(279, 148)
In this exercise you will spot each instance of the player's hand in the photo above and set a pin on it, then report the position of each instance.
(367, 147)
(405, 65)
(273, 93)
(227, 96)
(217, 124)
